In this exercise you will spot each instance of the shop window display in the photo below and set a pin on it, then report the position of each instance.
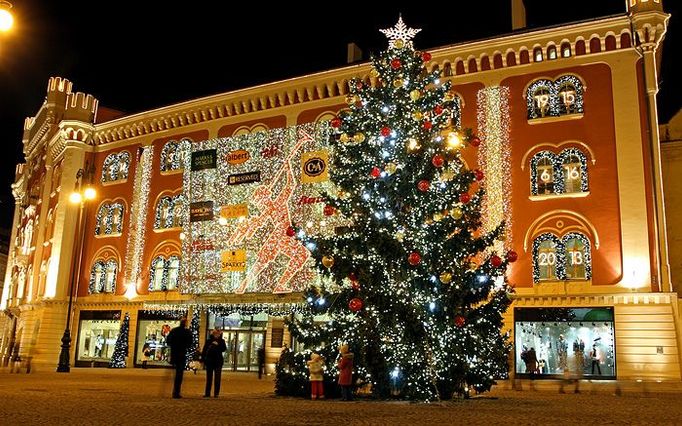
(555, 342)
(151, 343)
(97, 333)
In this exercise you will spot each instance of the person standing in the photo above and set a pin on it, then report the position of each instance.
(179, 339)
(212, 355)
(345, 366)
(316, 368)
(261, 361)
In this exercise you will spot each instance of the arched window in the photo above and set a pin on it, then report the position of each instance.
(543, 173)
(110, 219)
(540, 98)
(164, 273)
(110, 276)
(551, 52)
(569, 89)
(537, 54)
(547, 257)
(574, 170)
(578, 265)
(97, 277)
(173, 155)
(169, 212)
(566, 50)
(116, 167)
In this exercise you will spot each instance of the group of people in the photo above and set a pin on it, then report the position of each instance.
(180, 340)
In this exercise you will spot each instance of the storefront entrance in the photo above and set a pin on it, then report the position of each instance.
(244, 335)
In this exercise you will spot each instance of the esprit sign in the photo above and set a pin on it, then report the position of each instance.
(238, 156)
(314, 166)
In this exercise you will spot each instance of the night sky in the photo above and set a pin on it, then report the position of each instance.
(142, 54)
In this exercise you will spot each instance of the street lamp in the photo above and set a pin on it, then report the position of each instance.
(6, 19)
(80, 197)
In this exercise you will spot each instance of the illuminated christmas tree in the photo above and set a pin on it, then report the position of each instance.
(194, 347)
(118, 358)
(414, 286)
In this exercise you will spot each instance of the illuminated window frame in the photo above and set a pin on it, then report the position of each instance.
(176, 151)
(173, 221)
(103, 285)
(558, 170)
(560, 247)
(555, 104)
(105, 220)
(116, 167)
(166, 284)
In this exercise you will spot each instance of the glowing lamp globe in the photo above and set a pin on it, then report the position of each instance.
(6, 19)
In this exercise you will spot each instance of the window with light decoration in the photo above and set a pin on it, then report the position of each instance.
(567, 258)
(561, 97)
(109, 219)
(169, 212)
(564, 173)
(164, 273)
(116, 167)
(173, 154)
(103, 277)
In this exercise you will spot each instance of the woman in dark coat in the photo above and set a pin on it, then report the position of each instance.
(212, 356)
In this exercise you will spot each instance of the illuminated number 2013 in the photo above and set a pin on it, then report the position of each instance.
(576, 257)
(547, 259)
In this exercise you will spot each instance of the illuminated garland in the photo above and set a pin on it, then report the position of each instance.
(494, 159)
(173, 262)
(116, 167)
(562, 96)
(171, 207)
(138, 214)
(558, 161)
(225, 309)
(108, 216)
(561, 256)
(103, 271)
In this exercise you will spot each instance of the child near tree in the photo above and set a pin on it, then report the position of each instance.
(316, 367)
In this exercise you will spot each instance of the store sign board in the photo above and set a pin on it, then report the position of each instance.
(206, 159)
(200, 211)
(233, 260)
(315, 166)
(242, 178)
(234, 211)
(238, 156)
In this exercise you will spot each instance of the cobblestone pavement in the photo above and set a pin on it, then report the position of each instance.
(142, 397)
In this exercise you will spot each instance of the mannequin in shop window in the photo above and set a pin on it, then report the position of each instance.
(562, 352)
(594, 356)
(99, 345)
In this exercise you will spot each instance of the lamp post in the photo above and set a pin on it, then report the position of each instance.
(80, 196)
(6, 19)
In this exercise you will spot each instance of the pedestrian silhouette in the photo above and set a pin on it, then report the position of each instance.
(212, 356)
(179, 339)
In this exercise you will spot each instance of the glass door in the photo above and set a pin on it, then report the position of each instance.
(242, 350)
(257, 342)
(229, 355)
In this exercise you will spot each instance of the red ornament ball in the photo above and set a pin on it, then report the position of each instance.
(395, 64)
(464, 198)
(355, 304)
(329, 210)
(475, 141)
(291, 231)
(428, 125)
(414, 258)
(352, 276)
(423, 185)
(438, 110)
(386, 131)
(478, 173)
(336, 122)
(460, 321)
(512, 256)
(496, 261)
(438, 160)
(426, 56)
(376, 172)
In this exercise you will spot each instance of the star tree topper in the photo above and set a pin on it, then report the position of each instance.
(400, 32)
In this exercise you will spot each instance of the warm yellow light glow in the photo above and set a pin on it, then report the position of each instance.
(131, 291)
(635, 273)
(75, 197)
(222, 221)
(90, 193)
(412, 144)
(182, 235)
(454, 141)
(6, 19)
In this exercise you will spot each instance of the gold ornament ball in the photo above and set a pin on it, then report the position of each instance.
(445, 277)
(328, 261)
(350, 99)
(391, 168)
(447, 175)
(400, 236)
(359, 137)
(398, 83)
(415, 94)
(456, 213)
(417, 115)
(437, 216)
(449, 96)
(373, 72)
(399, 44)
(344, 138)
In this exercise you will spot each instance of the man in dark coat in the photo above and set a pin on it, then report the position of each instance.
(212, 356)
(261, 361)
(179, 339)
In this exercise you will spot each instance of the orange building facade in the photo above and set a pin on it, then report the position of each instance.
(571, 155)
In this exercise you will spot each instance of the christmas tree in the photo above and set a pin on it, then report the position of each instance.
(118, 358)
(193, 350)
(414, 285)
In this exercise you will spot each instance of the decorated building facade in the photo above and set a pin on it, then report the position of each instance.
(570, 151)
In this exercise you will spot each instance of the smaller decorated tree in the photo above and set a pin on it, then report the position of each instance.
(118, 359)
(194, 347)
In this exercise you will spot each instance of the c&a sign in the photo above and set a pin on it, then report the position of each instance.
(315, 166)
